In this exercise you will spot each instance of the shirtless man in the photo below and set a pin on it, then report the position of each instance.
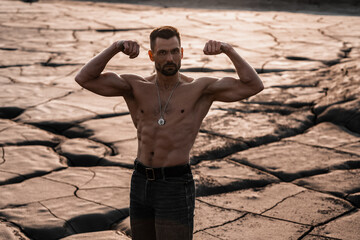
(167, 109)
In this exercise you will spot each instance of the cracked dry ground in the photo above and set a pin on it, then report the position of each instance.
(284, 164)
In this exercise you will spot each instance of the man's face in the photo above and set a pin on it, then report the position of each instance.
(167, 55)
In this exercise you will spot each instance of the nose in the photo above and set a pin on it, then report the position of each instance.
(169, 57)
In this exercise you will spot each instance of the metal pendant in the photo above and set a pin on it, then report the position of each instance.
(161, 121)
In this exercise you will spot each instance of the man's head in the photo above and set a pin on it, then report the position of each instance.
(165, 32)
(166, 50)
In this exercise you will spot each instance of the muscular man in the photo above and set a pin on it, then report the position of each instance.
(167, 109)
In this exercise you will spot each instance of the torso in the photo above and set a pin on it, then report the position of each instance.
(169, 144)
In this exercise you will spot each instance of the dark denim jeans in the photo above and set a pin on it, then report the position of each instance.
(162, 209)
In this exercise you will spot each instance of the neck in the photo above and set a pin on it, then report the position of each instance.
(167, 81)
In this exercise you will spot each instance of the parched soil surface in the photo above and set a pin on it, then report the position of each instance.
(284, 164)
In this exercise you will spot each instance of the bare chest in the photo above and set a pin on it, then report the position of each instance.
(152, 105)
(172, 106)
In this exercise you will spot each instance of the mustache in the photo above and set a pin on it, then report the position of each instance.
(170, 65)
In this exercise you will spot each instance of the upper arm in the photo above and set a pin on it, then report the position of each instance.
(107, 84)
(229, 89)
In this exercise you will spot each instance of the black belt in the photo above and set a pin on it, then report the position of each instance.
(160, 173)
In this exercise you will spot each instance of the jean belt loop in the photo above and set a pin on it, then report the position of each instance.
(150, 174)
(163, 173)
(136, 162)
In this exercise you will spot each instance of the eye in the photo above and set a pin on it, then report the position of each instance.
(175, 51)
(162, 52)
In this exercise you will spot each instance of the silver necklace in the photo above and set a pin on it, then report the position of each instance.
(161, 120)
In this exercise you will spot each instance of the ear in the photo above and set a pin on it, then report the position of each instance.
(151, 55)
(182, 53)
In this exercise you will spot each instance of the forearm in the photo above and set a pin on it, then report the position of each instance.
(96, 65)
(246, 73)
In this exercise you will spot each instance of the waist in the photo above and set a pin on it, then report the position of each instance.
(163, 172)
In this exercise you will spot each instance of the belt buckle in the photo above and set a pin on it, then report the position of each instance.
(150, 170)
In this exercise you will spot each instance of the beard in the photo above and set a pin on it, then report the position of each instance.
(168, 69)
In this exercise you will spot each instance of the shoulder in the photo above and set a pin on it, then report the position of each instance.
(201, 81)
(205, 83)
(131, 77)
(206, 80)
(135, 80)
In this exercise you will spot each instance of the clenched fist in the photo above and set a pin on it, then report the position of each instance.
(130, 48)
(215, 47)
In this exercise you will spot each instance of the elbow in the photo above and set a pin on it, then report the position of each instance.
(79, 79)
(257, 88)
(260, 87)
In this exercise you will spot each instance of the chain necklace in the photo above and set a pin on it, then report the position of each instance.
(161, 120)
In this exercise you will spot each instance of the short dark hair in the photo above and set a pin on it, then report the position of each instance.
(165, 32)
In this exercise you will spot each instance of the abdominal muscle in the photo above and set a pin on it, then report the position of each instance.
(167, 145)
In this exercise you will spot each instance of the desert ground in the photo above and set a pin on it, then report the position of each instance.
(284, 164)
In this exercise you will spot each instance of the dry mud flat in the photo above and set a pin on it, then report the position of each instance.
(284, 164)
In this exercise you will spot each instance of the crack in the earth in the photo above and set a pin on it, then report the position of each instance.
(221, 135)
(78, 29)
(3, 160)
(54, 215)
(322, 32)
(289, 177)
(306, 233)
(212, 235)
(191, 18)
(335, 194)
(10, 206)
(12, 80)
(204, 190)
(223, 224)
(281, 201)
(15, 65)
(263, 66)
(256, 214)
(223, 208)
(20, 228)
(282, 111)
(275, 39)
(349, 143)
(19, 178)
(24, 49)
(92, 178)
(281, 104)
(317, 236)
(61, 127)
(353, 209)
(325, 147)
(289, 86)
(77, 196)
(328, 63)
(243, 144)
(51, 99)
(24, 177)
(66, 75)
(54, 65)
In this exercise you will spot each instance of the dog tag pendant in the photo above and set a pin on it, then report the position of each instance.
(161, 121)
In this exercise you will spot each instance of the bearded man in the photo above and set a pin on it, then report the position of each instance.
(167, 109)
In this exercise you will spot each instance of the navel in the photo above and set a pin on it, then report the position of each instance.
(142, 111)
(182, 110)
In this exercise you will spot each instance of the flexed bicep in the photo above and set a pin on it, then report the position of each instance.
(92, 77)
(228, 89)
(108, 84)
